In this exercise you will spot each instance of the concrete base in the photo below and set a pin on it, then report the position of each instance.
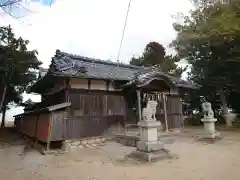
(209, 138)
(209, 124)
(209, 129)
(149, 146)
(216, 135)
(151, 156)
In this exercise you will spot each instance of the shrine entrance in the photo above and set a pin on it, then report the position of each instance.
(161, 90)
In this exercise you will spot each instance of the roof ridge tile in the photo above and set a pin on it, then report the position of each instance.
(94, 60)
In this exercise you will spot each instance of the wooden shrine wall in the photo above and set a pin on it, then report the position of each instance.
(90, 114)
(174, 112)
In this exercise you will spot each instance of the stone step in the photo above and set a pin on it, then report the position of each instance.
(131, 140)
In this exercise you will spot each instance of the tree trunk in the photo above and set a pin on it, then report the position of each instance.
(3, 97)
(226, 114)
(4, 108)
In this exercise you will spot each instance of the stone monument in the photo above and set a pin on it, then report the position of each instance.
(149, 148)
(209, 122)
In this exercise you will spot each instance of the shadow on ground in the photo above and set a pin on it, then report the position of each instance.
(9, 137)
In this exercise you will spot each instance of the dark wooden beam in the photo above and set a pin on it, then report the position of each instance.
(95, 91)
(49, 131)
(107, 85)
(36, 131)
(57, 88)
(89, 84)
(68, 83)
(165, 111)
(139, 105)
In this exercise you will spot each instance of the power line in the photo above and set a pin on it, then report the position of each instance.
(124, 28)
(123, 32)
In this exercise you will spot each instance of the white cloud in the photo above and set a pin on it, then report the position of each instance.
(93, 28)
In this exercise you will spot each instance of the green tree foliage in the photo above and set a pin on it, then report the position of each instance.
(12, 97)
(17, 66)
(169, 65)
(155, 54)
(28, 104)
(209, 40)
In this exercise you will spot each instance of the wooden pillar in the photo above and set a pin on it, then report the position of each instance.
(139, 105)
(89, 84)
(50, 131)
(36, 131)
(165, 112)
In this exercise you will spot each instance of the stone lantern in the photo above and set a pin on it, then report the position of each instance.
(209, 122)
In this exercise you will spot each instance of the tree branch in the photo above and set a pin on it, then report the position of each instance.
(8, 4)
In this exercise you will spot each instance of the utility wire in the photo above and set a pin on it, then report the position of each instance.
(123, 32)
(124, 28)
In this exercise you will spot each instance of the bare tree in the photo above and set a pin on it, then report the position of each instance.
(8, 6)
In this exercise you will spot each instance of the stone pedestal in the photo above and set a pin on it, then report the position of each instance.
(209, 128)
(149, 136)
(149, 148)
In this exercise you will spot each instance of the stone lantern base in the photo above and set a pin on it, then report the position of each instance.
(149, 148)
(149, 136)
(151, 156)
(209, 128)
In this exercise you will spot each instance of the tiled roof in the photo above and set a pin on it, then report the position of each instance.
(73, 65)
(182, 83)
(70, 65)
(154, 72)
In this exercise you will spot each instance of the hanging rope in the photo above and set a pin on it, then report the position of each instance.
(123, 32)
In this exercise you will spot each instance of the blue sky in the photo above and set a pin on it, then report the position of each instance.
(93, 28)
(45, 2)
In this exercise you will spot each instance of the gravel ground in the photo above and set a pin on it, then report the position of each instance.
(196, 161)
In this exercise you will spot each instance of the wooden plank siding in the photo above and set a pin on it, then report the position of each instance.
(81, 127)
(90, 114)
(96, 105)
(43, 126)
(174, 112)
(34, 126)
(27, 124)
(58, 123)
